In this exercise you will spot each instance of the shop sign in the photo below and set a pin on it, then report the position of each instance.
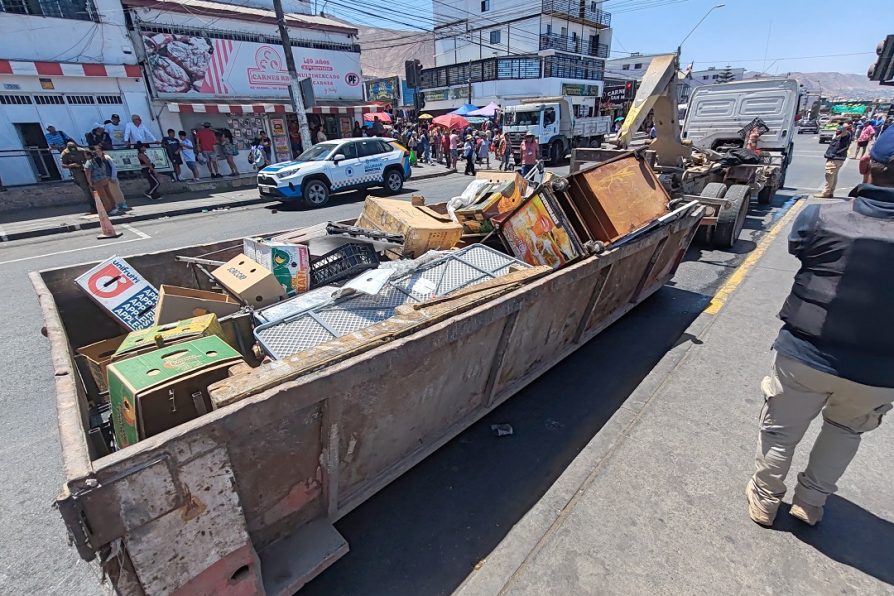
(181, 66)
(459, 93)
(616, 93)
(280, 139)
(849, 108)
(386, 89)
(581, 90)
(437, 95)
(126, 160)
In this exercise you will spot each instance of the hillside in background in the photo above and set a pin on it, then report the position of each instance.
(836, 85)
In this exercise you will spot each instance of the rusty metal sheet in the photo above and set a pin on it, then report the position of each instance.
(617, 197)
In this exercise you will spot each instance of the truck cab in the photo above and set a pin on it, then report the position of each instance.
(554, 125)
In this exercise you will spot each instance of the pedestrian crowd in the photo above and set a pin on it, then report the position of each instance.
(862, 133)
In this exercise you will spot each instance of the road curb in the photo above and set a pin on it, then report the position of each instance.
(88, 225)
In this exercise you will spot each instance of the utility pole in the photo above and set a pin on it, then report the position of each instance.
(294, 89)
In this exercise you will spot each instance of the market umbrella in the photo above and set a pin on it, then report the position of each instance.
(464, 109)
(450, 121)
(371, 116)
(619, 119)
(487, 111)
(425, 117)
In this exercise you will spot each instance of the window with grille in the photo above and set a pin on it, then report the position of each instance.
(81, 10)
(518, 68)
(81, 100)
(49, 99)
(14, 100)
(109, 99)
(572, 67)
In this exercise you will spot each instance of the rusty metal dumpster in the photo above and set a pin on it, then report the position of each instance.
(243, 499)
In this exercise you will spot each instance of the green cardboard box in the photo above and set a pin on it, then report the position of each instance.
(160, 336)
(153, 392)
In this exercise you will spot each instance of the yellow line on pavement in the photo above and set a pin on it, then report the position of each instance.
(734, 280)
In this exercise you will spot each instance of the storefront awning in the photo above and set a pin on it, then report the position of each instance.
(66, 69)
(266, 108)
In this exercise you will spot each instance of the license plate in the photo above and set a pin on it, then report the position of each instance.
(265, 191)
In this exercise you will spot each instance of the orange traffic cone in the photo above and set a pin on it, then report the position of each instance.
(105, 224)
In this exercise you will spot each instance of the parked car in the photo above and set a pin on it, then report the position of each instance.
(808, 126)
(336, 166)
(827, 132)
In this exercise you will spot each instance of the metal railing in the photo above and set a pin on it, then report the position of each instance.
(565, 43)
(584, 11)
(81, 10)
(489, 69)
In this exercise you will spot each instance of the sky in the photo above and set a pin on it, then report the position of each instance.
(775, 36)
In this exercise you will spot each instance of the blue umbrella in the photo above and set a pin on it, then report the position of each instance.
(464, 109)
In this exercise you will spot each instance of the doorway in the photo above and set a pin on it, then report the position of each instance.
(35, 145)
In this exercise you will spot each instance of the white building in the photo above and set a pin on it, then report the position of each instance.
(506, 51)
(631, 68)
(224, 64)
(712, 75)
(68, 64)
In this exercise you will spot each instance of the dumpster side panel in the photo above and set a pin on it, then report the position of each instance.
(387, 417)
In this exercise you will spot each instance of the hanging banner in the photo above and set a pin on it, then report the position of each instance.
(181, 66)
(386, 89)
(408, 95)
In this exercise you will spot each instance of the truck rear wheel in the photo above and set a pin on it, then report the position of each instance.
(712, 190)
(555, 153)
(730, 221)
(766, 195)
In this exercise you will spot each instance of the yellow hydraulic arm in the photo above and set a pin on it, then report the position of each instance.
(657, 93)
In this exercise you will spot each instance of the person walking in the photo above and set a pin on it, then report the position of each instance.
(173, 148)
(356, 132)
(863, 138)
(530, 152)
(835, 156)
(484, 151)
(834, 353)
(136, 132)
(257, 155)
(148, 169)
(116, 131)
(73, 159)
(445, 148)
(206, 140)
(98, 136)
(57, 139)
(505, 150)
(454, 149)
(469, 155)
(102, 176)
(425, 146)
(228, 150)
(188, 154)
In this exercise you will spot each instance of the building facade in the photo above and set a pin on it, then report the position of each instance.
(68, 64)
(502, 51)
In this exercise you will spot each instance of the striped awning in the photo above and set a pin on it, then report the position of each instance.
(265, 108)
(68, 69)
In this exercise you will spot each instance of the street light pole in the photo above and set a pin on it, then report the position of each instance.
(294, 89)
(691, 31)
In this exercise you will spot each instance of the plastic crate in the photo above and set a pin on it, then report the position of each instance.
(343, 262)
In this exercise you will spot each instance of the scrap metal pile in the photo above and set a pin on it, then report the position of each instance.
(288, 304)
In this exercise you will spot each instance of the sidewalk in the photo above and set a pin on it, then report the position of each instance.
(655, 504)
(58, 220)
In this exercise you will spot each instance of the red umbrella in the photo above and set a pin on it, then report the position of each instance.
(382, 116)
(450, 121)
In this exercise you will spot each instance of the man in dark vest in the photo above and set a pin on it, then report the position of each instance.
(835, 351)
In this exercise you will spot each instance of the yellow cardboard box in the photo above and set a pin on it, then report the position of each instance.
(423, 229)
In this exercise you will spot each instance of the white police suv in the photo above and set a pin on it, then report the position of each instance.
(334, 166)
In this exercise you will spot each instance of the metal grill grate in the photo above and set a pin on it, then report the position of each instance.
(303, 330)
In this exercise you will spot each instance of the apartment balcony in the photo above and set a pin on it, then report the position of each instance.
(81, 10)
(575, 45)
(585, 12)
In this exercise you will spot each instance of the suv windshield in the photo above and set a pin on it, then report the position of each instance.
(526, 118)
(317, 152)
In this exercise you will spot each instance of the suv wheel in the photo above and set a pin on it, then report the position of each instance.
(394, 181)
(315, 193)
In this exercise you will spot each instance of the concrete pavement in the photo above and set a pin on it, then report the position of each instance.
(655, 503)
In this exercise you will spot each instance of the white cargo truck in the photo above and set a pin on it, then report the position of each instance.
(554, 125)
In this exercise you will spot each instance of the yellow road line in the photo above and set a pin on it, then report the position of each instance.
(734, 280)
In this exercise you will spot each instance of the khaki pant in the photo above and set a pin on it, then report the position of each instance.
(106, 189)
(795, 394)
(832, 167)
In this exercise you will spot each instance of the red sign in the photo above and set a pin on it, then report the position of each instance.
(108, 282)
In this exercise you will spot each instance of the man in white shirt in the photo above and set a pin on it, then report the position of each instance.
(136, 132)
(116, 130)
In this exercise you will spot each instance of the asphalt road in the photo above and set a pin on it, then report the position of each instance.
(424, 532)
